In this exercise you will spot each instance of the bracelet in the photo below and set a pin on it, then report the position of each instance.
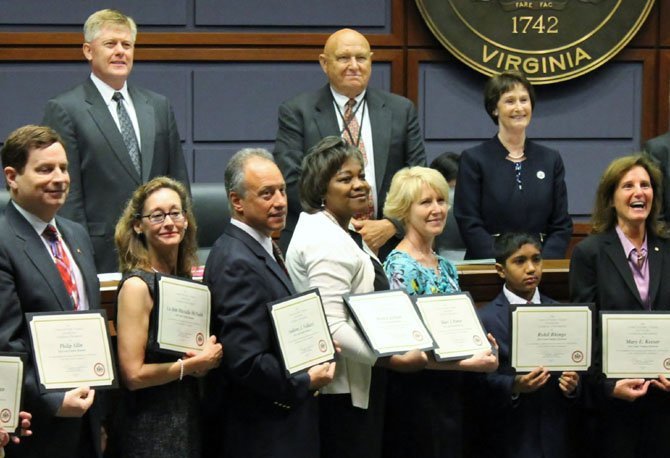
(181, 369)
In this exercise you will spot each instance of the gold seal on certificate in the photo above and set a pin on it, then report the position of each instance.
(11, 383)
(182, 310)
(72, 349)
(636, 345)
(390, 322)
(454, 324)
(556, 337)
(302, 331)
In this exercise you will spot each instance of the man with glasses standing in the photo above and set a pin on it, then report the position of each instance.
(383, 126)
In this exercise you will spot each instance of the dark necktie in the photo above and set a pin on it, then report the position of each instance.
(63, 264)
(279, 257)
(128, 132)
(352, 135)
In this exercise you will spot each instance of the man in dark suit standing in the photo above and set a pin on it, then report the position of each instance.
(117, 135)
(267, 414)
(65, 425)
(658, 148)
(383, 126)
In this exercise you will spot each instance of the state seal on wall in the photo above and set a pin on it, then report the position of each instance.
(549, 40)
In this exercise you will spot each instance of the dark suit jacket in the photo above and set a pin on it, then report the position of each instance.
(102, 176)
(267, 413)
(489, 201)
(310, 116)
(30, 282)
(659, 150)
(538, 424)
(599, 273)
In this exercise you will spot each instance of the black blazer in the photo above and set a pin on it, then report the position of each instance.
(599, 272)
(310, 116)
(267, 413)
(489, 201)
(30, 282)
(102, 176)
(659, 150)
(536, 424)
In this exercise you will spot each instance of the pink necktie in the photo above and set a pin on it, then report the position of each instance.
(352, 135)
(62, 263)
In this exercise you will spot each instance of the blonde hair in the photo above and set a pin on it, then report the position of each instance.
(406, 189)
(132, 247)
(102, 18)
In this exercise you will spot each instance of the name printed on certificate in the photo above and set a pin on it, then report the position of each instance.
(11, 383)
(302, 331)
(454, 324)
(182, 309)
(390, 322)
(72, 349)
(635, 345)
(556, 337)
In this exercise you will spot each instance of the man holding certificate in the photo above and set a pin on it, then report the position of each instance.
(267, 414)
(46, 265)
(530, 414)
(625, 266)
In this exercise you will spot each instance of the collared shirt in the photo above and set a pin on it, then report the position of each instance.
(518, 300)
(39, 227)
(363, 118)
(107, 92)
(264, 240)
(640, 274)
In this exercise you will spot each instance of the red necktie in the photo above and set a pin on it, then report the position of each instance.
(351, 135)
(62, 263)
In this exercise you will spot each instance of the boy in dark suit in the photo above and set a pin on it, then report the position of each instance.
(530, 414)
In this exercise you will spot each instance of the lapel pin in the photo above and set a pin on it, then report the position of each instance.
(79, 251)
(656, 248)
(540, 174)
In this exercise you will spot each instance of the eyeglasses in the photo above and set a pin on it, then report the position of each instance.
(158, 216)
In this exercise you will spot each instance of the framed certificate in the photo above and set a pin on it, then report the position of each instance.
(635, 345)
(181, 315)
(556, 337)
(72, 349)
(390, 322)
(11, 384)
(302, 331)
(454, 324)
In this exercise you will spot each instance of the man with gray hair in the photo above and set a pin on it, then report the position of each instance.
(266, 413)
(117, 136)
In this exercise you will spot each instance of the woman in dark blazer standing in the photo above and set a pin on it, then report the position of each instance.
(510, 183)
(625, 266)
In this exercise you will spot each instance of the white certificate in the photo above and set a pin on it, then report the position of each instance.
(390, 322)
(556, 337)
(72, 349)
(183, 313)
(302, 331)
(636, 345)
(11, 382)
(454, 324)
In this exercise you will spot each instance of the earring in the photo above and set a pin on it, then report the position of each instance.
(323, 203)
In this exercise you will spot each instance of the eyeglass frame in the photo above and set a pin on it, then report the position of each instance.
(175, 216)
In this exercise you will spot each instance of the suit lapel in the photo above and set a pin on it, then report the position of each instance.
(34, 249)
(655, 259)
(380, 124)
(324, 114)
(108, 128)
(616, 254)
(147, 123)
(263, 255)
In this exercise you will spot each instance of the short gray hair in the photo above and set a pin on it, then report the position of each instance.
(100, 19)
(233, 177)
